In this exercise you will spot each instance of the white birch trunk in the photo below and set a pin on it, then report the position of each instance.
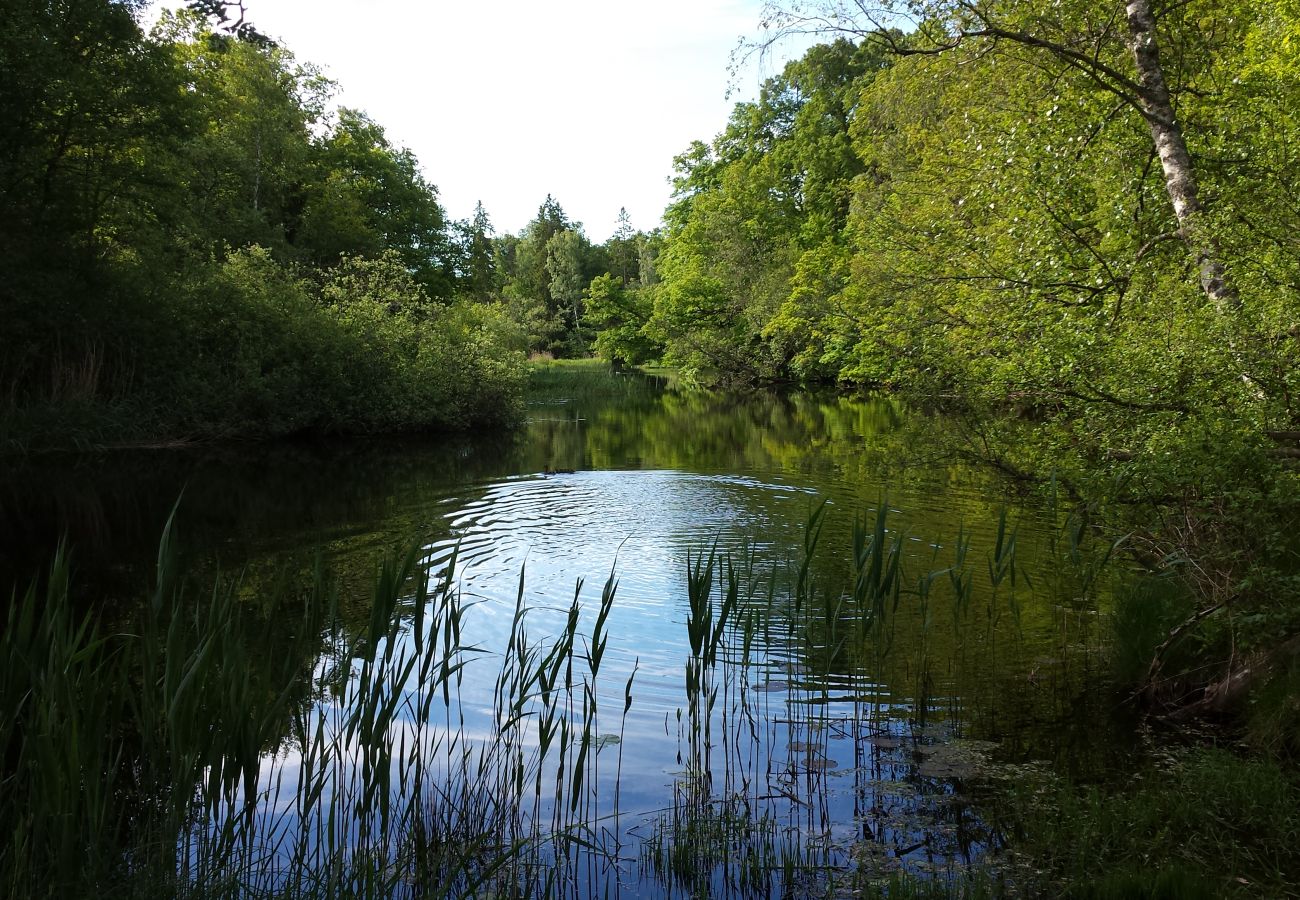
(1175, 161)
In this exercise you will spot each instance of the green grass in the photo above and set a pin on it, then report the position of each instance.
(155, 757)
(582, 381)
(1206, 823)
(177, 753)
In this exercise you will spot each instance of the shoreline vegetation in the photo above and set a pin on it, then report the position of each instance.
(175, 748)
(199, 249)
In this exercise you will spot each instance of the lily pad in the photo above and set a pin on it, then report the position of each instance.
(885, 741)
(956, 759)
(820, 764)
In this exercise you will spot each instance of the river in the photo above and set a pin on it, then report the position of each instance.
(844, 726)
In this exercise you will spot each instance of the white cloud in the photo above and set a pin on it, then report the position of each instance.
(509, 101)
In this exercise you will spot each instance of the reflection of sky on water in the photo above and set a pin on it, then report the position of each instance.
(640, 525)
(831, 760)
(658, 477)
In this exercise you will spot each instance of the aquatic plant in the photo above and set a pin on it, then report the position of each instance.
(818, 752)
(147, 758)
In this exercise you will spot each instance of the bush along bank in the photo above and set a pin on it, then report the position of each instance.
(253, 349)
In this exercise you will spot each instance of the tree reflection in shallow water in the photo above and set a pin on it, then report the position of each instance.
(848, 728)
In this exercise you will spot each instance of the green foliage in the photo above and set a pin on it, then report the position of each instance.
(987, 220)
(110, 728)
(1273, 718)
(564, 266)
(546, 275)
(1144, 613)
(370, 197)
(1208, 824)
(527, 282)
(773, 188)
(194, 248)
(619, 314)
(216, 741)
(477, 274)
(371, 354)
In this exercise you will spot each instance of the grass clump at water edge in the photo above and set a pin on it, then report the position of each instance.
(588, 380)
(162, 756)
(154, 757)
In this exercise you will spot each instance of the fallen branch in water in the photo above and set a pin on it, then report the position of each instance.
(1147, 689)
(1219, 697)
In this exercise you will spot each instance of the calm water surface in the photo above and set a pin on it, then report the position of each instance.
(890, 758)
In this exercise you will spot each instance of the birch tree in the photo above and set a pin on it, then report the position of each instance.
(1118, 46)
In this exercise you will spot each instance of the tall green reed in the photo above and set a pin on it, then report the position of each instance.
(802, 664)
(162, 755)
(156, 756)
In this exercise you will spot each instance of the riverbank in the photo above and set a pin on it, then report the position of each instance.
(322, 768)
(256, 351)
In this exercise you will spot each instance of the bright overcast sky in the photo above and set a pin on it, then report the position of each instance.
(505, 102)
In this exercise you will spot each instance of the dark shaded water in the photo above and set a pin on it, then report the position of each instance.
(884, 755)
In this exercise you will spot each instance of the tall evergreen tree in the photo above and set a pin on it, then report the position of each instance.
(478, 273)
(622, 247)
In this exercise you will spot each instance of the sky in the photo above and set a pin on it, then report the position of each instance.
(506, 102)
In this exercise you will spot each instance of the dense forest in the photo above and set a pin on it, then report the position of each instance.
(1075, 222)
(198, 244)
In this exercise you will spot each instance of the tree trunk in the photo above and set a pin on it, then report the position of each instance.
(1226, 696)
(1176, 162)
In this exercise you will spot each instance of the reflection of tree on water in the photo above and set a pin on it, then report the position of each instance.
(854, 736)
(865, 731)
(809, 783)
(239, 503)
(120, 720)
